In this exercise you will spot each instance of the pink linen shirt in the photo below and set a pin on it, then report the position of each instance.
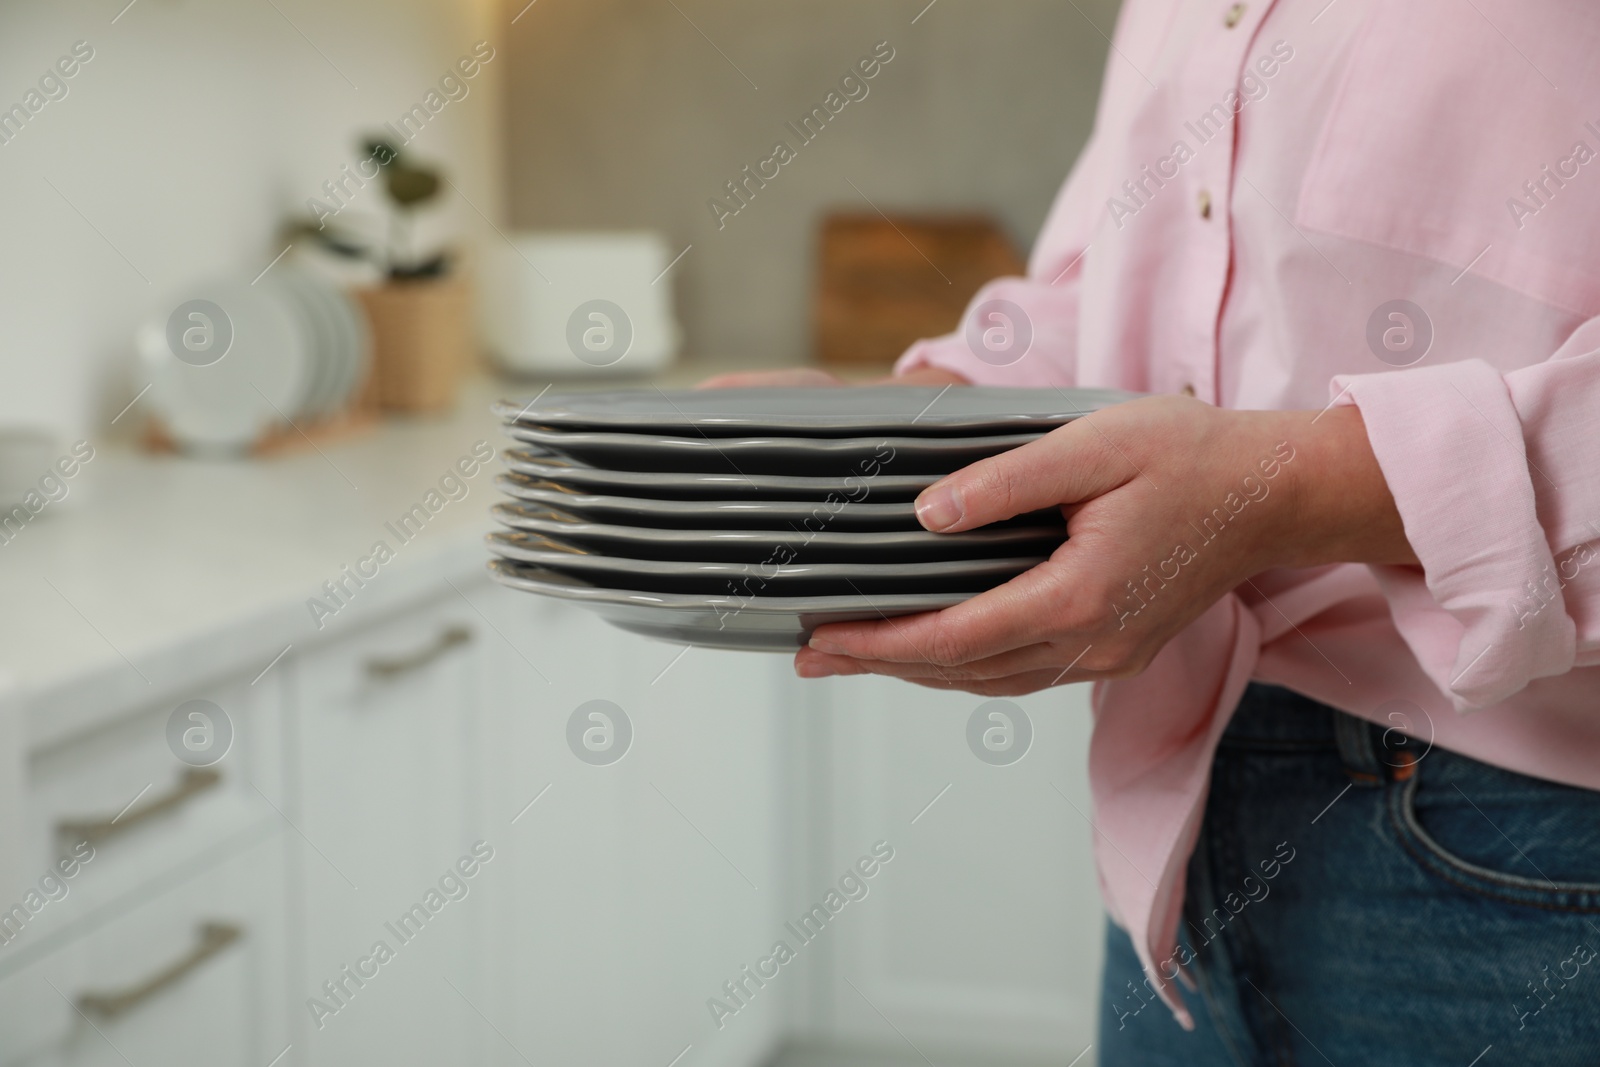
(1264, 181)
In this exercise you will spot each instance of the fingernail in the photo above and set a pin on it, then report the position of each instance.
(822, 644)
(812, 669)
(939, 508)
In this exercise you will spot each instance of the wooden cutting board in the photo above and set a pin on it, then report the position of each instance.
(883, 283)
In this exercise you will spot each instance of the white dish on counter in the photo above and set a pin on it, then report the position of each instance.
(541, 291)
(260, 380)
(324, 389)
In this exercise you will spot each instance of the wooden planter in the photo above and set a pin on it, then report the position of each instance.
(422, 342)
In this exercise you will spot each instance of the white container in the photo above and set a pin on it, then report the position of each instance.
(579, 304)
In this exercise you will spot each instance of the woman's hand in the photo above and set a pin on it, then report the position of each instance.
(1170, 504)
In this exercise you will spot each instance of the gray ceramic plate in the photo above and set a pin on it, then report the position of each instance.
(566, 475)
(863, 457)
(825, 411)
(716, 514)
(766, 624)
(754, 546)
(773, 576)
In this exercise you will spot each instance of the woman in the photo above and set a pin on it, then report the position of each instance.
(1336, 582)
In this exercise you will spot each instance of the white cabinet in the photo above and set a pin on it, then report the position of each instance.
(387, 798)
(552, 890)
(143, 811)
(170, 912)
(189, 976)
(985, 930)
(639, 886)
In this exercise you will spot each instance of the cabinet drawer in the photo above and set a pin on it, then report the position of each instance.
(189, 976)
(389, 764)
(122, 801)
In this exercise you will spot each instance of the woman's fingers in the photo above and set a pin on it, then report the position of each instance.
(809, 663)
(924, 674)
(1073, 463)
(1010, 616)
(1015, 686)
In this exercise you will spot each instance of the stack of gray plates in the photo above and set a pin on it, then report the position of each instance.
(745, 518)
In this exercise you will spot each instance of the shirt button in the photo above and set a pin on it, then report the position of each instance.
(1204, 202)
(1235, 13)
(1187, 390)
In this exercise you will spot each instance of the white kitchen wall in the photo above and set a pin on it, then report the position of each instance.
(199, 124)
(180, 146)
(633, 113)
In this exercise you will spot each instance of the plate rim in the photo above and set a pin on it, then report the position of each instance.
(879, 538)
(504, 481)
(982, 566)
(504, 572)
(616, 439)
(514, 459)
(552, 411)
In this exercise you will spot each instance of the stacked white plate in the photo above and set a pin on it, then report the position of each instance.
(746, 518)
(230, 359)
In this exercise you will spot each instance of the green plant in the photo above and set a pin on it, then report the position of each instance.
(409, 186)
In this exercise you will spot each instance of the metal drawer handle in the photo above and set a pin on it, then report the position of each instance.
(210, 939)
(448, 639)
(191, 783)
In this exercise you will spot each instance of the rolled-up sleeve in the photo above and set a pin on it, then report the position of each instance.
(1497, 480)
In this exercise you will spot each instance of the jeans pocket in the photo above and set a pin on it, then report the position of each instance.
(1499, 834)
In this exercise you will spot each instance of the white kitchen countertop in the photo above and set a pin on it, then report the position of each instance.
(172, 572)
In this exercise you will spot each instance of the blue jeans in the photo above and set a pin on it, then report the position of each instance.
(1358, 900)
